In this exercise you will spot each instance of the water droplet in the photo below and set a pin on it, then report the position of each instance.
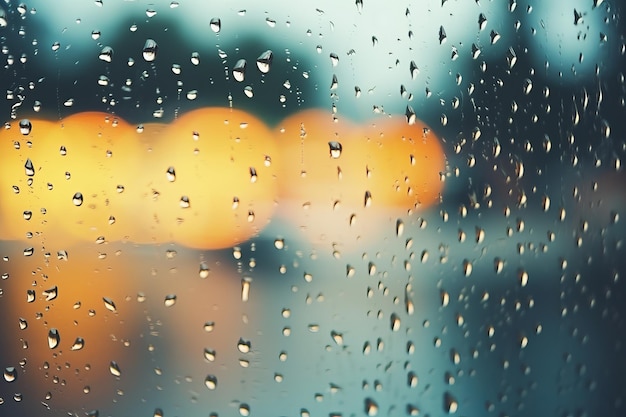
(150, 50)
(245, 289)
(244, 410)
(216, 24)
(184, 202)
(170, 300)
(482, 21)
(29, 169)
(209, 355)
(10, 374)
(337, 337)
(170, 174)
(264, 61)
(244, 346)
(253, 175)
(371, 408)
(115, 369)
(79, 343)
(335, 149)
(106, 54)
(195, 58)
(334, 59)
(25, 127)
(367, 200)
(450, 404)
(54, 338)
(77, 199)
(239, 70)
(51, 293)
(395, 322)
(211, 382)
(109, 304)
(442, 35)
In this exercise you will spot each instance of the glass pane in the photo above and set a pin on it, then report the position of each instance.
(312, 209)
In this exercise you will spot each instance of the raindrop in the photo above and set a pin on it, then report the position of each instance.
(334, 59)
(216, 24)
(109, 304)
(53, 338)
(450, 404)
(239, 70)
(335, 149)
(150, 50)
(371, 408)
(195, 58)
(51, 293)
(414, 70)
(10, 374)
(170, 174)
(337, 337)
(442, 35)
(170, 300)
(264, 61)
(184, 202)
(106, 54)
(114, 369)
(204, 270)
(29, 169)
(482, 21)
(25, 126)
(77, 199)
(79, 343)
(244, 346)
(211, 382)
(395, 322)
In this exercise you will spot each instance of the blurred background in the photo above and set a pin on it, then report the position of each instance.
(504, 298)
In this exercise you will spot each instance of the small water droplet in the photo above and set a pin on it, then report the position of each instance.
(371, 408)
(10, 374)
(184, 202)
(170, 174)
(170, 300)
(239, 70)
(29, 169)
(195, 58)
(77, 199)
(25, 127)
(115, 369)
(106, 54)
(211, 382)
(109, 304)
(79, 343)
(335, 149)
(216, 24)
(150, 49)
(54, 338)
(264, 61)
(244, 346)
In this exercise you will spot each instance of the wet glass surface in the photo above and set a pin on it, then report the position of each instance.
(312, 209)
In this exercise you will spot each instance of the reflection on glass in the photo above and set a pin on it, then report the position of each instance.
(348, 209)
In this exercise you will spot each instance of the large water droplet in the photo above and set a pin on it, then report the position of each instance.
(170, 300)
(114, 368)
(29, 169)
(106, 54)
(216, 24)
(244, 346)
(264, 61)
(211, 382)
(77, 199)
(239, 70)
(335, 149)
(10, 374)
(54, 338)
(25, 126)
(150, 50)
(79, 343)
(109, 304)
